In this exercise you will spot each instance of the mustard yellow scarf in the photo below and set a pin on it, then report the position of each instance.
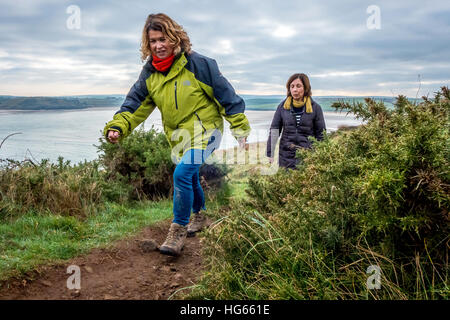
(306, 100)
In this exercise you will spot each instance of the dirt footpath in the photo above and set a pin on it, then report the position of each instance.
(123, 271)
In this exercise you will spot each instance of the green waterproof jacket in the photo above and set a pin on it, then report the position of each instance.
(193, 98)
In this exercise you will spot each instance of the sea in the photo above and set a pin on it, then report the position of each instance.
(74, 134)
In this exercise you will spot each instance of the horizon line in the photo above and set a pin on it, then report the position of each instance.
(242, 94)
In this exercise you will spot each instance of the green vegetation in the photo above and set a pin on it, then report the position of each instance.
(37, 239)
(377, 195)
(51, 212)
(139, 166)
(45, 187)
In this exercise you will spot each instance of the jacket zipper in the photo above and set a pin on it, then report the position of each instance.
(176, 102)
(204, 129)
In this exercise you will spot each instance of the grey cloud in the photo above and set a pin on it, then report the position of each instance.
(330, 38)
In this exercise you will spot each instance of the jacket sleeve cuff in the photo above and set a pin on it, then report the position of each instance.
(239, 125)
(114, 126)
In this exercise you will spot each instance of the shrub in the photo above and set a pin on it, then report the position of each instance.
(58, 188)
(376, 195)
(213, 175)
(140, 167)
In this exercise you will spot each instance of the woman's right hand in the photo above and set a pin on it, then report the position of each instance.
(113, 136)
(271, 159)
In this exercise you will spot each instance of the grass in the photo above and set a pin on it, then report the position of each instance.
(35, 239)
(377, 195)
(51, 212)
(253, 163)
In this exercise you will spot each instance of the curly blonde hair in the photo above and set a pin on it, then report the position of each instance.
(172, 30)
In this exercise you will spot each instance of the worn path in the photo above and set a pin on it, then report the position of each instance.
(123, 271)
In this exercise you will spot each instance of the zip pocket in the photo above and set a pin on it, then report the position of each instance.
(176, 102)
(204, 129)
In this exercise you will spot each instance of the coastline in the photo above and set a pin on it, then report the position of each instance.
(48, 135)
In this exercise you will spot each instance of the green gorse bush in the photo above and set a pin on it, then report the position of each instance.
(377, 195)
(140, 167)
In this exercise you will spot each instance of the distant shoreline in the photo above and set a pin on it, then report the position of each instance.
(252, 102)
(56, 110)
(60, 103)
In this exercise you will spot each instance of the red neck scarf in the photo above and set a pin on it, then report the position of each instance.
(162, 64)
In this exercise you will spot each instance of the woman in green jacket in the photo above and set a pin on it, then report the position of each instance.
(193, 98)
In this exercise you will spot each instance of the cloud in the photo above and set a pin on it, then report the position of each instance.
(284, 31)
(337, 74)
(257, 44)
(223, 47)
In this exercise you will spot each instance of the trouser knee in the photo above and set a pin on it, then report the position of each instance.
(182, 176)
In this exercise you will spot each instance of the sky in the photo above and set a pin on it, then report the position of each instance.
(352, 48)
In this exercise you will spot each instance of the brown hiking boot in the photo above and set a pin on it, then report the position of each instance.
(174, 241)
(196, 224)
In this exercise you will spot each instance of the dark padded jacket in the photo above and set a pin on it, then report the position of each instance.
(293, 137)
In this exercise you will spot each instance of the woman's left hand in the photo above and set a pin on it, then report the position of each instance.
(243, 143)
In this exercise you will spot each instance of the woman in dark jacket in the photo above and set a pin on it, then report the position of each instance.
(300, 117)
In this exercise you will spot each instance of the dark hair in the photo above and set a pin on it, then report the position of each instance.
(305, 81)
(175, 33)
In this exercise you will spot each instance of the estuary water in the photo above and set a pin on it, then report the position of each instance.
(74, 134)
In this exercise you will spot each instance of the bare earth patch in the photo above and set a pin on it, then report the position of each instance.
(125, 271)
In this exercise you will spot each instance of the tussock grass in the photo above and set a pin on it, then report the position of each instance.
(59, 188)
(377, 195)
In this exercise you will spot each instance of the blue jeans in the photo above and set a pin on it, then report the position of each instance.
(188, 193)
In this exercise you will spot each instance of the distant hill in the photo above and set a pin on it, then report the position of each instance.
(252, 102)
(58, 103)
(40, 103)
(271, 102)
